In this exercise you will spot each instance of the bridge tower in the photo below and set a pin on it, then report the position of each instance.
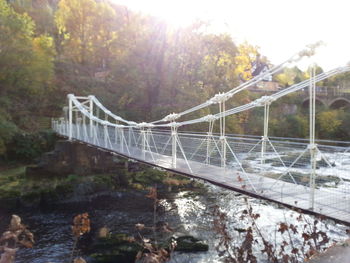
(312, 146)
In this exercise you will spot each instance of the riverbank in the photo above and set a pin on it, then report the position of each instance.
(116, 195)
(115, 202)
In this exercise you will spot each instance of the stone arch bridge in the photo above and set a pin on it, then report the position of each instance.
(331, 98)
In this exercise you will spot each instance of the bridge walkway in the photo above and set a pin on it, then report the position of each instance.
(334, 205)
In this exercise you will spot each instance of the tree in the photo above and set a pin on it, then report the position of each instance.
(75, 21)
(26, 61)
(328, 123)
(105, 37)
(247, 54)
(41, 11)
(26, 69)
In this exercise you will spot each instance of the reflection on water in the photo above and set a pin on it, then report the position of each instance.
(186, 212)
(196, 216)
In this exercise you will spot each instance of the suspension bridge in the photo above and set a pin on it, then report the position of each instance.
(311, 175)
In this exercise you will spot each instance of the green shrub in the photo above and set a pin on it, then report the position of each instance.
(72, 178)
(28, 146)
(7, 129)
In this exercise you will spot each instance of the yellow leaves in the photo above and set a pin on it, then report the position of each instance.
(81, 224)
(284, 79)
(105, 10)
(45, 44)
(246, 55)
(88, 29)
(42, 61)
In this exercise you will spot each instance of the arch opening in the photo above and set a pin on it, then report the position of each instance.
(339, 103)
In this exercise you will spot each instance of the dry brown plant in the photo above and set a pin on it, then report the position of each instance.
(151, 252)
(81, 226)
(17, 235)
(238, 246)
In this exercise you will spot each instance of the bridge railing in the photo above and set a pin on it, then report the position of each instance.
(283, 161)
(282, 169)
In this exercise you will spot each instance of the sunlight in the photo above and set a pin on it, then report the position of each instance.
(215, 108)
(178, 14)
(278, 29)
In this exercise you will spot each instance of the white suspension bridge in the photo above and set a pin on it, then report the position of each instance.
(311, 175)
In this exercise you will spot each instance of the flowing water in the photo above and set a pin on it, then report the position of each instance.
(186, 212)
(197, 217)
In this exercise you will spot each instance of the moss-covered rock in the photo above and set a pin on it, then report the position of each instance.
(115, 248)
(64, 189)
(190, 244)
(31, 197)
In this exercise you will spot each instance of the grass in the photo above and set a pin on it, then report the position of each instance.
(14, 183)
(17, 171)
(10, 180)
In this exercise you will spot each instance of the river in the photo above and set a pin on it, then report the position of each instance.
(187, 212)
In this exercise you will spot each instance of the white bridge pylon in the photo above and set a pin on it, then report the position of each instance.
(295, 172)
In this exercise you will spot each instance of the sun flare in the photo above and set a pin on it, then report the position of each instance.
(279, 31)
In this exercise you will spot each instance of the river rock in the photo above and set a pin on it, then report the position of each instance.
(190, 244)
(115, 248)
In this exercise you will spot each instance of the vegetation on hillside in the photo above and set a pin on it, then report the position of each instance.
(139, 66)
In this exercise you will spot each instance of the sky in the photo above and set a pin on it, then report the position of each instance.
(279, 27)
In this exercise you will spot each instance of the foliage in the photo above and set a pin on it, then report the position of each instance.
(81, 226)
(26, 60)
(328, 122)
(26, 71)
(243, 244)
(7, 130)
(40, 11)
(28, 146)
(16, 235)
(246, 56)
(293, 126)
(75, 19)
(291, 76)
(152, 252)
(138, 66)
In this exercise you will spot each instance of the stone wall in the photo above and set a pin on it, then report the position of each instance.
(76, 158)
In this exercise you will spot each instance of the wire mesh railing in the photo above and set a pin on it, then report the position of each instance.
(281, 172)
(310, 174)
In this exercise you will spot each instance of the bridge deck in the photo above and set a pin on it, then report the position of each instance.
(328, 202)
(268, 188)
